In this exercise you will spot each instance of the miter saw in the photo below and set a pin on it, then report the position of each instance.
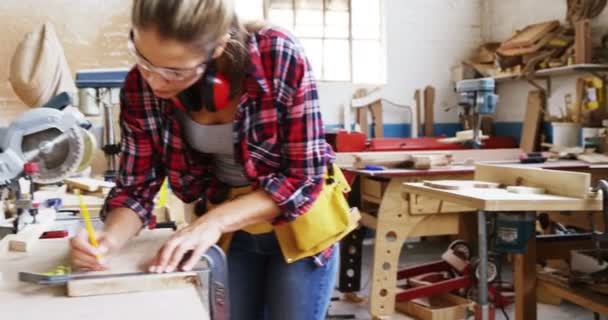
(477, 95)
(55, 142)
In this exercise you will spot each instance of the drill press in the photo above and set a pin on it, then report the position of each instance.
(478, 96)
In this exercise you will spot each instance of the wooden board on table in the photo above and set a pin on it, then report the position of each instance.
(594, 158)
(129, 284)
(429, 109)
(530, 35)
(51, 303)
(463, 136)
(88, 184)
(502, 200)
(28, 237)
(350, 159)
(555, 182)
(532, 121)
(460, 184)
(135, 258)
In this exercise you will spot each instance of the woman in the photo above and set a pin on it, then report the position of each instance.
(216, 106)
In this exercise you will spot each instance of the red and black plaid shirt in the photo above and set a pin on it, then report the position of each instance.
(278, 136)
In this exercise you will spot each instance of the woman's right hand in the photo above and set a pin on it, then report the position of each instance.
(84, 256)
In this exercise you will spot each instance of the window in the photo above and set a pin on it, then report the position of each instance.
(342, 38)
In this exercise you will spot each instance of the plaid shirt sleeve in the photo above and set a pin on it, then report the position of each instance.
(300, 130)
(139, 177)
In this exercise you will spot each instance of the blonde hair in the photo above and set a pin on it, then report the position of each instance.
(198, 23)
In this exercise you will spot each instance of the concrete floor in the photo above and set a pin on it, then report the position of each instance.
(425, 252)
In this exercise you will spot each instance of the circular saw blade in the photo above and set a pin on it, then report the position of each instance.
(57, 153)
(90, 146)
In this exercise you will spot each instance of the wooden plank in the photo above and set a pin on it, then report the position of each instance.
(429, 109)
(130, 284)
(28, 301)
(524, 268)
(530, 35)
(530, 49)
(88, 184)
(418, 99)
(373, 187)
(349, 159)
(436, 225)
(368, 220)
(441, 307)
(460, 184)
(419, 205)
(532, 121)
(376, 110)
(27, 238)
(555, 182)
(547, 250)
(582, 42)
(594, 158)
(502, 200)
(361, 115)
(579, 221)
(588, 300)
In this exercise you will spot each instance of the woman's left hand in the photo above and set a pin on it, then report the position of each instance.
(198, 237)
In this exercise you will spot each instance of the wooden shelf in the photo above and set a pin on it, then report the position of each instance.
(546, 74)
(561, 71)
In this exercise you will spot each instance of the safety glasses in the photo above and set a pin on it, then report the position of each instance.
(169, 74)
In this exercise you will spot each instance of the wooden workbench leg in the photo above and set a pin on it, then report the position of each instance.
(524, 266)
(392, 229)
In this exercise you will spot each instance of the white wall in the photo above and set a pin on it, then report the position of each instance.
(500, 19)
(424, 39)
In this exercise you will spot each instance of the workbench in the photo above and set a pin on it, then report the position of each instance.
(20, 300)
(500, 200)
(396, 217)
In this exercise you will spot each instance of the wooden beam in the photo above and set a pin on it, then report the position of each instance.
(555, 182)
(524, 266)
(582, 42)
(368, 220)
(350, 159)
(532, 120)
(128, 284)
(429, 106)
(418, 99)
(376, 111)
(588, 300)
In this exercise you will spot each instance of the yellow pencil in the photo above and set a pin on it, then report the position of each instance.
(162, 198)
(87, 224)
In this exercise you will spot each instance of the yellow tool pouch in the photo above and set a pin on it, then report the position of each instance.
(328, 220)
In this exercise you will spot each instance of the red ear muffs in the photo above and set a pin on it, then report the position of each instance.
(212, 91)
(216, 91)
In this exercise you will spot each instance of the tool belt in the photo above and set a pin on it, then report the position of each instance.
(325, 223)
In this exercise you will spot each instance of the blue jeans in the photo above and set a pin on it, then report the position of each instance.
(263, 287)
